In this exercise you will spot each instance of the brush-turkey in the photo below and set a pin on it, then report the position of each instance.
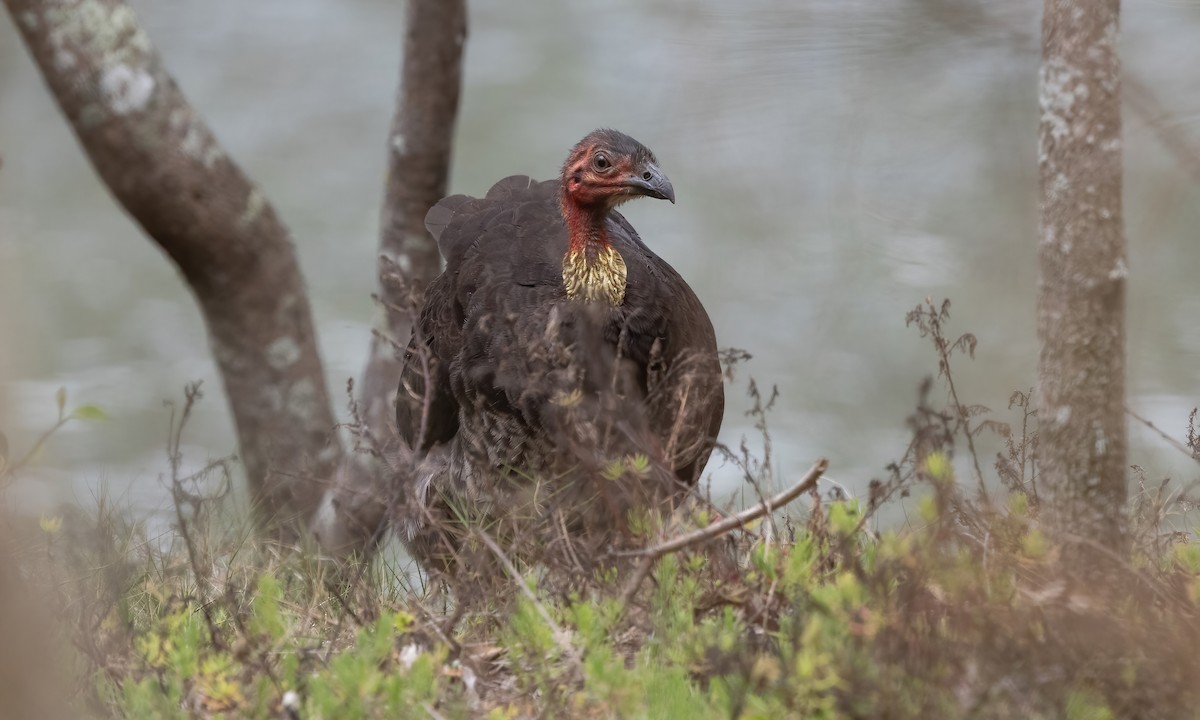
(554, 342)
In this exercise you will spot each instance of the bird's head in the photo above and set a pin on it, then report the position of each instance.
(606, 168)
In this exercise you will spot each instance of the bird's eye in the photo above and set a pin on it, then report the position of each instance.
(647, 175)
(600, 162)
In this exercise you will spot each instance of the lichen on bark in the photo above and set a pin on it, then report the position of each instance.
(167, 170)
(1081, 305)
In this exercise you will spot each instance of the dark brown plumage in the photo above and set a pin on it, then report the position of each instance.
(555, 341)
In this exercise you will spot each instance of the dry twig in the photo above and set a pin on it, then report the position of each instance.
(808, 482)
(1161, 433)
(560, 635)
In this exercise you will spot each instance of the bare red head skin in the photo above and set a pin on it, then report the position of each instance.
(605, 169)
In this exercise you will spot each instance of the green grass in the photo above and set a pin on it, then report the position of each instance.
(975, 608)
(825, 621)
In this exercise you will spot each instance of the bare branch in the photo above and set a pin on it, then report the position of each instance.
(181, 497)
(808, 482)
(1147, 106)
(166, 169)
(1181, 447)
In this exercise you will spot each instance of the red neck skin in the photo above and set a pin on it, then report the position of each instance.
(585, 223)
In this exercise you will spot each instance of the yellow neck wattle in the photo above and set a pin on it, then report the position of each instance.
(595, 275)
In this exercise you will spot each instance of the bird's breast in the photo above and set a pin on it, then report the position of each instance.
(595, 274)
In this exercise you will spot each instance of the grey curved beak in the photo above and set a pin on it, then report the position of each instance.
(651, 182)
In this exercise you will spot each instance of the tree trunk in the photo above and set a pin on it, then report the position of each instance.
(419, 149)
(1081, 304)
(166, 169)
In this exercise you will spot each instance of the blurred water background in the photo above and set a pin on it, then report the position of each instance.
(836, 162)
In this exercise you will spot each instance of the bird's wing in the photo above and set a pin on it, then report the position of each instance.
(498, 268)
(516, 188)
(665, 329)
(506, 283)
(426, 412)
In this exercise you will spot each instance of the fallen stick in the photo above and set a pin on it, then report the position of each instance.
(650, 554)
(808, 482)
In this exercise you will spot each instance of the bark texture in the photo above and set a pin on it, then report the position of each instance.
(419, 151)
(166, 169)
(1081, 304)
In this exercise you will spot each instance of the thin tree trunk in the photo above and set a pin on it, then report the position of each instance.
(1081, 306)
(419, 150)
(164, 166)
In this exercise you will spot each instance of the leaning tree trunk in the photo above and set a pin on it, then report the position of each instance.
(1081, 304)
(419, 147)
(164, 166)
